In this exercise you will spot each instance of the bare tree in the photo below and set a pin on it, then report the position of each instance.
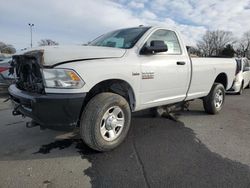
(244, 45)
(222, 39)
(7, 48)
(47, 42)
(193, 51)
(205, 45)
(213, 42)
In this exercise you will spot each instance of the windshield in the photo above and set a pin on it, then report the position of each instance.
(123, 38)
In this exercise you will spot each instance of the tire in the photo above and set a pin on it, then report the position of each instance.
(99, 127)
(241, 89)
(212, 103)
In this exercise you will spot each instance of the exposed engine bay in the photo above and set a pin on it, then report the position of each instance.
(27, 69)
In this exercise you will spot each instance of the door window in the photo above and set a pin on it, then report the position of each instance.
(169, 38)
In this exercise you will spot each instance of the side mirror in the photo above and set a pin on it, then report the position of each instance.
(156, 46)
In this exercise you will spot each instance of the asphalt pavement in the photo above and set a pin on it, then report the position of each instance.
(198, 150)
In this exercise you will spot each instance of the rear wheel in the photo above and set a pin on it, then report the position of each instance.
(105, 121)
(214, 101)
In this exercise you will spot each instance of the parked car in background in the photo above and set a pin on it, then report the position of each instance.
(5, 78)
(242, 76)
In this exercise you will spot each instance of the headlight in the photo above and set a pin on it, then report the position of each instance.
(62, 78)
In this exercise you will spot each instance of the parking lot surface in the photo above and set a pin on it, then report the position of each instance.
(199, 150)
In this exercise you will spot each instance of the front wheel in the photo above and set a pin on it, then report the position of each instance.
(214, 101)
(105, 121)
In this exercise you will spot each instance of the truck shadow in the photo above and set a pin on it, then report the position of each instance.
(157, 153)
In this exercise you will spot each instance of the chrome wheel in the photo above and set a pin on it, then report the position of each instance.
(112, 123)
(218, 99)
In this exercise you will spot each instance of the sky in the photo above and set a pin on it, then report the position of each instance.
(79, 21)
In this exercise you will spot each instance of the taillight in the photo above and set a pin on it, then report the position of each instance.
(3, 69)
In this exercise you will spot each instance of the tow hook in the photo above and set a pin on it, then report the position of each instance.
(15, 113)
(31, 124)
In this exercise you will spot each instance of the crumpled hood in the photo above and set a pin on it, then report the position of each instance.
(53, 55)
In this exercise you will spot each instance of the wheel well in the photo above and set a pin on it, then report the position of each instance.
(117, 86)
(222, 79)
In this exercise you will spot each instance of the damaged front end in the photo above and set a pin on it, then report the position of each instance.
(27, 69)
(49, 110)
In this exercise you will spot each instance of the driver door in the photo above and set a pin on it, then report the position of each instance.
(165, 76)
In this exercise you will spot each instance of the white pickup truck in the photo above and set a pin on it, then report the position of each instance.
(96, 87)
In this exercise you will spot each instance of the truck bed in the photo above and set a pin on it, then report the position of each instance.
(205, 70)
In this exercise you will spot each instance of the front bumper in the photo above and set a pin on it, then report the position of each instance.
(48, 110)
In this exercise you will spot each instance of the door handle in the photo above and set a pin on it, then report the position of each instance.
(180, 63)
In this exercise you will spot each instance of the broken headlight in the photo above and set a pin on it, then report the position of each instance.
(62, 78)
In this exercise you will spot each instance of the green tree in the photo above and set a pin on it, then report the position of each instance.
(228, 51)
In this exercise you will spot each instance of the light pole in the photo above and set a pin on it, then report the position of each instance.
(31, 25)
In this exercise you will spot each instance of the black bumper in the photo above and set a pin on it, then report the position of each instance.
(48, 110)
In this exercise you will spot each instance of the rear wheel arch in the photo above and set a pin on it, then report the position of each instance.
(222, 79)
